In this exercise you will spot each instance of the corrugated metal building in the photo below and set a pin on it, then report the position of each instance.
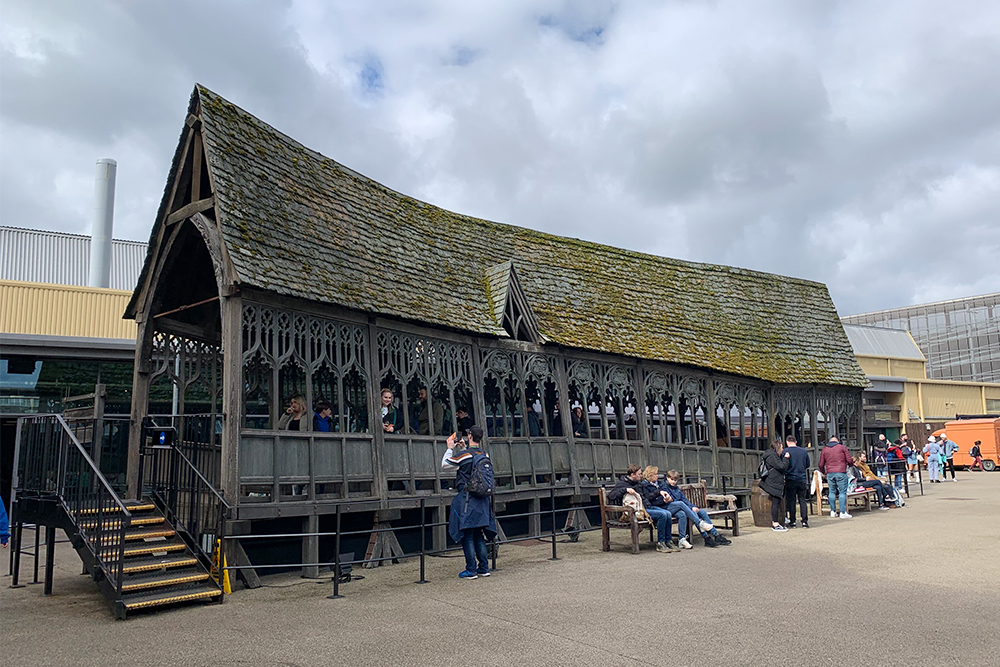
(57, 258)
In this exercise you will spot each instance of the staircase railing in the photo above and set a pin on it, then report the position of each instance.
(189, 500)
(54, 465)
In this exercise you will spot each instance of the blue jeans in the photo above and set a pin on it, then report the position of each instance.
(664, 522)
(683, 514)
(474, 546)
(837, 482)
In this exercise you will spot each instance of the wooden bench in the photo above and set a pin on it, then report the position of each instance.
(621, 516)
(864, 495)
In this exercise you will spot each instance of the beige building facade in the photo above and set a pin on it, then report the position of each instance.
(901, 395)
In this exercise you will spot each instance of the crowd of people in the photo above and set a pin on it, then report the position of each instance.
(785, 473)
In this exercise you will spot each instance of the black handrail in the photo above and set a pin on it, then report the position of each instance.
(86, 496)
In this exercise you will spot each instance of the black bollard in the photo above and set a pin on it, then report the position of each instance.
(336, 561)
(552, 499)
(423, 539)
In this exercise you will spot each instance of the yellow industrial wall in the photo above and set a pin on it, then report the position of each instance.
(878, 366)
(913, 370)
(64, 310)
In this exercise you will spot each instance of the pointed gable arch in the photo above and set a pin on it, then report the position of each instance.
(188, 206)
(510, 305)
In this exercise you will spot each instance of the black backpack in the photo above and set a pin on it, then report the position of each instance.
(480, 482)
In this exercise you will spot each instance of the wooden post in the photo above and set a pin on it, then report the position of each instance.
(232, 394)
(310, 546)
(535, 520)
(562, 385)
(711, 411)
(813, 430)
(140, 402)
(375, 409)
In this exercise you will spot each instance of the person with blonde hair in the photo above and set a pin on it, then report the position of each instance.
(656, 503)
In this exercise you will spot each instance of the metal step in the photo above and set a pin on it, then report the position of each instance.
(134, 565)
(141, 534)
(112, 509)
(145, 549)
(161, 579)
(114, 523)
(181, 593)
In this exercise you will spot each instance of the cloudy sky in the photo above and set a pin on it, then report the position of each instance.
(853, 143)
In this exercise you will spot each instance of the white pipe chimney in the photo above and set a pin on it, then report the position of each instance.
(104, 219)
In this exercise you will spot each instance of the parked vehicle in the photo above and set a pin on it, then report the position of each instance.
(964, 432)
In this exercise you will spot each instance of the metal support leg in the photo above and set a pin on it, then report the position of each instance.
(50, 558)
(310, 546)
(15, 544)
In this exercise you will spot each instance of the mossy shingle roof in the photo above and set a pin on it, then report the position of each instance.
(300, 224)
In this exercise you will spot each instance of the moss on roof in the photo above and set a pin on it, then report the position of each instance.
(300, 224)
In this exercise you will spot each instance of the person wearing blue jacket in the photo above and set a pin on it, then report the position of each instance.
(471, 521)
(4, 525)
(708, 531)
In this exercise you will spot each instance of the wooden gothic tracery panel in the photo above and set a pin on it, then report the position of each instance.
(288, 354)
(430, 380)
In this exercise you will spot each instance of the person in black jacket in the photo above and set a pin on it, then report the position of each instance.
(629, 483)
(796, 481)
(774, 482)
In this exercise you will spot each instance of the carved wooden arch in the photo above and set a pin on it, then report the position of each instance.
(209, 234)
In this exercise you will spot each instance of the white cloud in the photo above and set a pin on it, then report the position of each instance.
(843, 142)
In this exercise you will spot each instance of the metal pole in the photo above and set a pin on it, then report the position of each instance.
(50, 556)
(423, 544)
(496, 537)
(336, 561)
(38, 536)
(552, 500)
(16, 546)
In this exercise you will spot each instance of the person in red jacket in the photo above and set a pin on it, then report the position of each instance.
(834, 462)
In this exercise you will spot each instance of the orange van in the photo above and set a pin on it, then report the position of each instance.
(965, 432)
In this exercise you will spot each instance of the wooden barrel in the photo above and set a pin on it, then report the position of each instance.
(760, 505)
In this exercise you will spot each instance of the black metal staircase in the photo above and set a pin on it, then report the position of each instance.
(141, 553)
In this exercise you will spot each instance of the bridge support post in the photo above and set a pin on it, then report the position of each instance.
(310, 546)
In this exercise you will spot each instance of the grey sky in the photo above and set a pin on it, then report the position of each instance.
(853, 143)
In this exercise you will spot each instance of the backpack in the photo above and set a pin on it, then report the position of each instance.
(907, 450)
(762, 470)
(480, 482)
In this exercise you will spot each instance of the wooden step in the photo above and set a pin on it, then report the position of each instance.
(162, 579)
(181, 593)
(154, 563)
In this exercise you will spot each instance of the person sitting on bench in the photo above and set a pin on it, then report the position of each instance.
(867, 479)
(629, 483)
(655, 501)
(700, 517)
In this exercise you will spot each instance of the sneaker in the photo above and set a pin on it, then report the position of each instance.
(833, 514)
(779, 529)
(683, 543)
(789, 524)
(710, 541)
(705, 526)
(884, 507)
(722, 541)
(662, 547)
(483, 574)
(845, 515)
(467, 574)
(805, 524)
(672, 546)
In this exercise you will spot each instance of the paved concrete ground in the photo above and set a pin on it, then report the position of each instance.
(915, 586)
